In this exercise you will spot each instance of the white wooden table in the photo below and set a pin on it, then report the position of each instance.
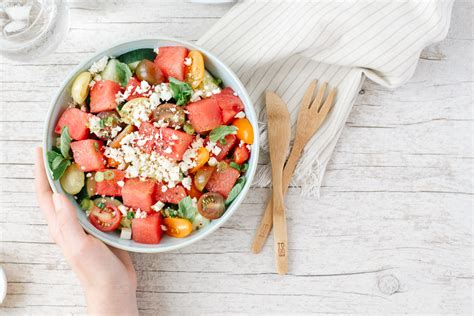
(392, 232)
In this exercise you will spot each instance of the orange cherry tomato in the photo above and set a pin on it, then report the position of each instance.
(127, 130)
(194, 192)
(244, 130)
(112, 163)
(201, 159)
(177, 227)
(195, 71)
(202, 176)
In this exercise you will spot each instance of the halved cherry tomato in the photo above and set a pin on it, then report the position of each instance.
(241, 154)
(201, 159)
(147, 70)
(202, 176)
(211, 205)
(194, 192)
(106, 219)
(127, 130)
(195, 71)
(177, 227)
(244, 130)
(112, 163)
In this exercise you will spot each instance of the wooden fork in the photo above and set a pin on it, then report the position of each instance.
(310, 118)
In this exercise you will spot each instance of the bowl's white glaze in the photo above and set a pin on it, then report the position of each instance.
(217, 68)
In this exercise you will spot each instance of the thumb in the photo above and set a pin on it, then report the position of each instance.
(68, 224)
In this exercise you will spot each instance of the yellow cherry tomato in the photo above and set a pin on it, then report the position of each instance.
(80, 87)
(177, 227)
(244, 130)
(195, 71)
(201, 159)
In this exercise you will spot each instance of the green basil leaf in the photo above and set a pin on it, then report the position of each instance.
(130, 215)
(65, 142)
(182, 91)
(56, 162)
(239, 185)
(60, 169)
(51, 156)
(244, 167)
(186, 208)
(235, 165)
(220, 132)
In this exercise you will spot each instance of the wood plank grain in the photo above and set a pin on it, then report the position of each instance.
(392, 232)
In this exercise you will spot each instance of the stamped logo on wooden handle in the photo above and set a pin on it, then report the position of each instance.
(281, 249)
(264, 231)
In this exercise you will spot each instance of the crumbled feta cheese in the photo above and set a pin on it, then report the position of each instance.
(249, 147)
(121, 97)
(92, 84)
(216, 91)
(188, 61)
(164, 228)
(123, 209)
(157, 50)
(120, 183)
(140, 214)
(89, 175)
(196, 96)
(126, 233)
(212, 162)
(162, 92)
(186, 182)
(164, 188)
(168, 150)
(239, 115)
(216, 150)
(99, 65)
(158, 206)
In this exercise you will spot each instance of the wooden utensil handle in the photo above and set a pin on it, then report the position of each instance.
(280, 231)
(267, 220)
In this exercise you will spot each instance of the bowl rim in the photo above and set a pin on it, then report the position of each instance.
(249, 174)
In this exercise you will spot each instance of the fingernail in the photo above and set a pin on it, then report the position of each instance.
(57, 201)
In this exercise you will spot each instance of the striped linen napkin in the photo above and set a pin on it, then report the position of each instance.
(282, 45)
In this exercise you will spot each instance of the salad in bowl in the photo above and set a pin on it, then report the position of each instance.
(151, 145)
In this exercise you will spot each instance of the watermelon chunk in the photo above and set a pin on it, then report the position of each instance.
(166, 141)
(139, 194)
(229, 104)
(77, 122)
(171, 195)
(111, 187)
(132, 84)
(204, 115)
(223, 179)
(170, 60)
(103, 96)
(88, 154)
(230, 142)
(147, 230)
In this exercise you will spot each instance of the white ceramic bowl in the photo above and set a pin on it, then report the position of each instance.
(217, 68)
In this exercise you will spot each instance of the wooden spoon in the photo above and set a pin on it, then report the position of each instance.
(279, 141)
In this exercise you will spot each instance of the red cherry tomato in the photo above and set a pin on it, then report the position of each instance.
(241, 154)
(106, 219)
(194, 192)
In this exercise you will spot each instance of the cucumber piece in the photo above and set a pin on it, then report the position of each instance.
(134, 65)
(137, 55)
(117, 71)
(208, 84)
(107, 200)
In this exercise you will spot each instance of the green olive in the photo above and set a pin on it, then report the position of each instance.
(72, 180)
(146, 70)
(80, 87)
(169, 113)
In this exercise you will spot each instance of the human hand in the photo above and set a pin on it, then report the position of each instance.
(107, 274)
